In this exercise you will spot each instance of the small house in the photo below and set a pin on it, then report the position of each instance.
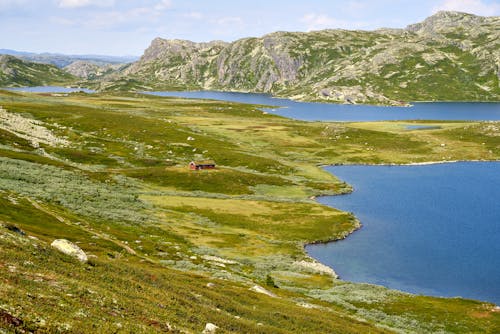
(197, 165)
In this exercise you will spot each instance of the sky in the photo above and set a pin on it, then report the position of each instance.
(126, 27)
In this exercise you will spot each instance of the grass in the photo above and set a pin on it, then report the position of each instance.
(122, 191)
(16, 72)
(260, 223)
(220, 180)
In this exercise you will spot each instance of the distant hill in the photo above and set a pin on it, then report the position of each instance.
(62, 60)
(91, 70)
(449, 56)
(18, 72)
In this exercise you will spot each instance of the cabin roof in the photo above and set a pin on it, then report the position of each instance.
(204, 162)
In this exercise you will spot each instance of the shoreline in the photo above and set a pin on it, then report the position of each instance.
(423, 163)
(360, 225)
(404, 104)
(407, 104)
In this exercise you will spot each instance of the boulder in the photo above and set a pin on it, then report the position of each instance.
(69, 248)
(210, 328)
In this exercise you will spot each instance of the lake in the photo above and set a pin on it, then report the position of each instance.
(347, 112)
(50, 89)
(432, 229)
(427, 229)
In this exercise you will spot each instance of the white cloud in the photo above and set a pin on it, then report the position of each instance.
(85, 3)
(315, 21)
(478, 7)
(110, 18)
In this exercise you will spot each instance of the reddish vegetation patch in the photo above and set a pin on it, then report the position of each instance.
(480, 315)
(9, 320)
(486, 313)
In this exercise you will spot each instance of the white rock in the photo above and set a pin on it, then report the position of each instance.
(316, 267)
(259, 289)
(209, 328)
(70, 249)
(218, 259)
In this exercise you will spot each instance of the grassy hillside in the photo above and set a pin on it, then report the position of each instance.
(449, 56)
(15, 72)
(172, 249)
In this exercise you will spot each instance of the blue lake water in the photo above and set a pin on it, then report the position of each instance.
(51, 89)
(432, 229)
(346, 112)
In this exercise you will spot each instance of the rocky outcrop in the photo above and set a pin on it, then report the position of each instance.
(456, 50)
(91, 70)
(35, 131)
(83, 69)
(316, 267)
(447, 21)
(69, 248)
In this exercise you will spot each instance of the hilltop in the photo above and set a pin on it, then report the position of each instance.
(17, 72)
(63, 60)
(447, 53)
(450, 56)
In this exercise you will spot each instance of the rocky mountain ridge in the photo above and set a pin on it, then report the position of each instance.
(448, 56)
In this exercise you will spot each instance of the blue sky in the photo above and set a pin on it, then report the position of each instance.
(126, 27)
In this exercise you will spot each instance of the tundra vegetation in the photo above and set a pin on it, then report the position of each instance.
(170, 249)
(17, 72)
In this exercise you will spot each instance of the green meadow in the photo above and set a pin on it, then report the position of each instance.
(172, 249)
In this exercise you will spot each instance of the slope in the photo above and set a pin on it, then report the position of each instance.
(449, 56)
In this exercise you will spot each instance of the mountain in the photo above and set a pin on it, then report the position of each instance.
(62, 60)
(448, 56)
(91, 70)
(18, 72)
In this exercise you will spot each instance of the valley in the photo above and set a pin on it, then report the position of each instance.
(110, 173)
